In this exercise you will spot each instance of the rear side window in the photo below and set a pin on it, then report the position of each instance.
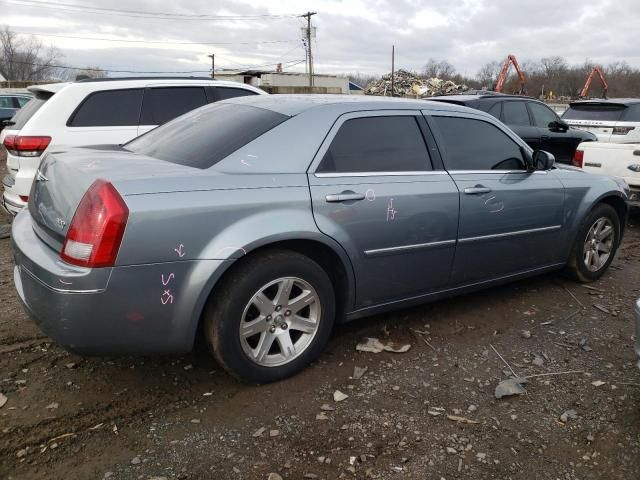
(599, 112)
(109, 108)
(542, 116)
(22, 101)
(515, 113)
(476, 145)
(377, 144)
(203, 137)
(163, 104)
(23, 115)
(495, 110)
(632, 114)
(230, 92)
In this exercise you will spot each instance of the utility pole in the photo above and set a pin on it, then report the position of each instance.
(393, 67)
(213, 65)
(308, 16)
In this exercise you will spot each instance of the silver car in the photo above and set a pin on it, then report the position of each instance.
(261, 222)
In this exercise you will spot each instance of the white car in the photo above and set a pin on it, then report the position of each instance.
(620, 160)
(97, 112)
(615, 120)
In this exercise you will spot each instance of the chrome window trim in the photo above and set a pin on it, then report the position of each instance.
(377, 174)
(499, 172)
(403, 248)
(510, 234)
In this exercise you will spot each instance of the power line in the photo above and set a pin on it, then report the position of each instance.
(258, 42)
(144, 14)
(67, 67)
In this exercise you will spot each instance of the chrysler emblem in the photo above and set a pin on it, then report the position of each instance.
(61, 223)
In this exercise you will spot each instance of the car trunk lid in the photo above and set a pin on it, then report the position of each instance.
(599, 118)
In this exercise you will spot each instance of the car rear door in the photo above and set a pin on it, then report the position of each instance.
(164, 103)
(562, 143)
(516, 116)
(510, 219)
(377, 188)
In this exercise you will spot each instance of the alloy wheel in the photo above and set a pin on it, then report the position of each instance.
(280, 321)
(599, 244)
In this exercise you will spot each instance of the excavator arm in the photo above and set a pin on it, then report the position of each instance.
(511, 60)
(587, 84)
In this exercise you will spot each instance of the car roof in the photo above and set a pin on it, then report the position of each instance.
(471, 97)
(133, 82)
(294, 104)
(607, 101)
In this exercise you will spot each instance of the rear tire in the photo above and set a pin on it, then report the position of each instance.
(595, 245)
(271, 316)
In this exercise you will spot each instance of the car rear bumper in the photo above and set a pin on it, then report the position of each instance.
(636, 312)
(12, 204)
(136, 309)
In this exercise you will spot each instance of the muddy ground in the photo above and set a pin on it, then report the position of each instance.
(69, 417)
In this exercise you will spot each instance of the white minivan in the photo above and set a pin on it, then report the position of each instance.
(97, 112)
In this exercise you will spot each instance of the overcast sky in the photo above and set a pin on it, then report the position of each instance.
(352, 35)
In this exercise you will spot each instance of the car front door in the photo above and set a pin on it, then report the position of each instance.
(377, 191)
(516, 116)
(562, 143)
(510, 219)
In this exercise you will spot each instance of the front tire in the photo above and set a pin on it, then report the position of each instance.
(596, 244)
(271, 316)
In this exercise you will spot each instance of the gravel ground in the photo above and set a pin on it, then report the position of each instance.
(429, 413)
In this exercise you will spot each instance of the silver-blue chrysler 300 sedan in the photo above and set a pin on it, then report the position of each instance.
(261, 221)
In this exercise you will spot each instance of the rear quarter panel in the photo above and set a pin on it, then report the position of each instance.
(583, 191)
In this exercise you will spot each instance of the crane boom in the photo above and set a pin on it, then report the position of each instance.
(511, 60)
(587, 84)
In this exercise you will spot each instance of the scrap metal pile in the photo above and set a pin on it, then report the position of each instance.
(407, 84)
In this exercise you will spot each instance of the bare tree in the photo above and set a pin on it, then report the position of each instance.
(488, 75)
(26, 59)
(438, 69)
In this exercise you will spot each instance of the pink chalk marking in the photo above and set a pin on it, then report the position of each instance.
(180, 250)
(245, 163)
(166, 297)
(391, 212)
(169, 278)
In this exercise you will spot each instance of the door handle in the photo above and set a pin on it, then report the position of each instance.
(476, 190)
(344, 197)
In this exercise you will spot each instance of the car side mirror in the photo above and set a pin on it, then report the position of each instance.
(541, 160)
(558, 126)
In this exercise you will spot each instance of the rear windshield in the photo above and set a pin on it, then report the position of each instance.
(603, 112)
(23, 115)
(203, 137)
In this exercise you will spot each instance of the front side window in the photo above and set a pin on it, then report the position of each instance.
(229, 92)
(542, 116)
(515, 113)
(377, 144)
(495, 110)
(163, 104)
(6, 102)
(471, 144)
(109, 108)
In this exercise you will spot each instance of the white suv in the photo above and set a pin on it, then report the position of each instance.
(97, 112)
(615, 120)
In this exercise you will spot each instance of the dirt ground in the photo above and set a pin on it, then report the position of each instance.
(69, 417)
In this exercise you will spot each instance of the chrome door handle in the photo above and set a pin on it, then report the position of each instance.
(476, 190)
(344, 197)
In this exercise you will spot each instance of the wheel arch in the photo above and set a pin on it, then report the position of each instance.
(323, 250)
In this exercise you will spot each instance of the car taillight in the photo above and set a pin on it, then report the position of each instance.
(578, 158)
(97, 228)
(24, 198)
(621, 130)
(26, 146)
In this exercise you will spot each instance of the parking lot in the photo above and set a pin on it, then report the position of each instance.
(426, 413)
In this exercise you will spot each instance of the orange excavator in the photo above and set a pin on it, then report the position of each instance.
(587, 84)
(511, 60)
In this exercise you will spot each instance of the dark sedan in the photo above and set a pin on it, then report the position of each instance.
(530, 119)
